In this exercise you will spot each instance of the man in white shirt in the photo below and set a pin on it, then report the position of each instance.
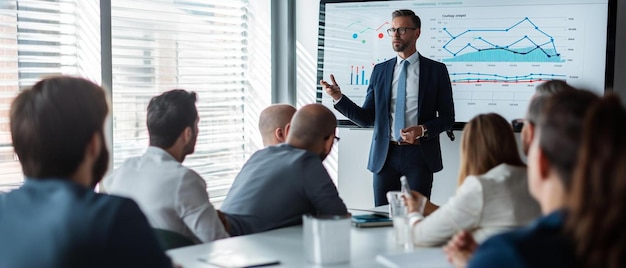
(172, 196)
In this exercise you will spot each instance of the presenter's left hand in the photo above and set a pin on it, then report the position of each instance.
(411, 134)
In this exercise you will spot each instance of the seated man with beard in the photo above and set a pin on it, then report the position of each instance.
(56, 219)
(172, 196)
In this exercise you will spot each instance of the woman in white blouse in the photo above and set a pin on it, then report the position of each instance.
(492, 195)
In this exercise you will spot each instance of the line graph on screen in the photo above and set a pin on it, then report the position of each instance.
(524, 41)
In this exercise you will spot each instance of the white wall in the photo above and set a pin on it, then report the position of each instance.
(354, 180)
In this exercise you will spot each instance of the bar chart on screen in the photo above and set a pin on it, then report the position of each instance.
(358, 75)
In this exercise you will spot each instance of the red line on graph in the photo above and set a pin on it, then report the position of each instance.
(497, 82)
(386, 22)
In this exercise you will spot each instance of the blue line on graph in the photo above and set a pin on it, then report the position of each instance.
(532, 52)
(469, 77)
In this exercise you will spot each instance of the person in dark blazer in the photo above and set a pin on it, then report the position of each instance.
(405, 141)
(56, 219)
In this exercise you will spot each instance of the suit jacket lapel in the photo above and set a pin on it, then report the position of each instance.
(424, 73)
(387, 82)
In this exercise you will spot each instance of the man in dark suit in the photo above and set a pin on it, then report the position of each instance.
(409, 103)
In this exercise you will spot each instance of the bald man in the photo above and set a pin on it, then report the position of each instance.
(280, 183)
(273, 122)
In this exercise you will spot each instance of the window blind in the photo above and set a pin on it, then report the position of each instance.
(38, 39)
(197, 45)
(211, 47)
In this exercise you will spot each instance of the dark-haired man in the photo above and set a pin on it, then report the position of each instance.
(172, 196)
(56, 219)
(409, 103)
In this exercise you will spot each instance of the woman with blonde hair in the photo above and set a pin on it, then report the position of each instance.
(492, 194)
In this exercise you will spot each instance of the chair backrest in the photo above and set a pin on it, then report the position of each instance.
(171, 240)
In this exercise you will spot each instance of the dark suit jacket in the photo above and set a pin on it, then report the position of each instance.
(540, 244)
(276, 187)
(57, 223)
(436, 110)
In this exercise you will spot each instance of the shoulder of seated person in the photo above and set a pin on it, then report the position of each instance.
(500, 173)
(113, 202)
(473, 181)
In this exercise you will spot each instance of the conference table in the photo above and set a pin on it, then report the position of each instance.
(286, 246)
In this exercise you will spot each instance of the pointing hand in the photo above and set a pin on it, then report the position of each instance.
(333, 89)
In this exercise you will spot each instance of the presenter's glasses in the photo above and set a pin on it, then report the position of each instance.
(401, 30)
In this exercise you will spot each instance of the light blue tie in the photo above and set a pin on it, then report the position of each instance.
(400, 101)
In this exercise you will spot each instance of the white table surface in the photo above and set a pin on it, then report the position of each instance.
(286, 245)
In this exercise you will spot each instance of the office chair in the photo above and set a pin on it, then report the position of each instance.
(171, 240)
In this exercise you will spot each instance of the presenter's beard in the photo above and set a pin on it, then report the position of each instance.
(398, 47)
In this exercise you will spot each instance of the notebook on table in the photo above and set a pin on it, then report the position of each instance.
(373, 217)
(380, 210)
(371, 220)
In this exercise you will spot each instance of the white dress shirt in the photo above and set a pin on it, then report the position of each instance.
(412, 91)
(485, 205)
(172, 196)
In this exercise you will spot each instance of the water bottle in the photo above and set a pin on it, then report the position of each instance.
(404, 188)
(405, 235)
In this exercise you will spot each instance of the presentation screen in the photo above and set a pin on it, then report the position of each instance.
(496, 51)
